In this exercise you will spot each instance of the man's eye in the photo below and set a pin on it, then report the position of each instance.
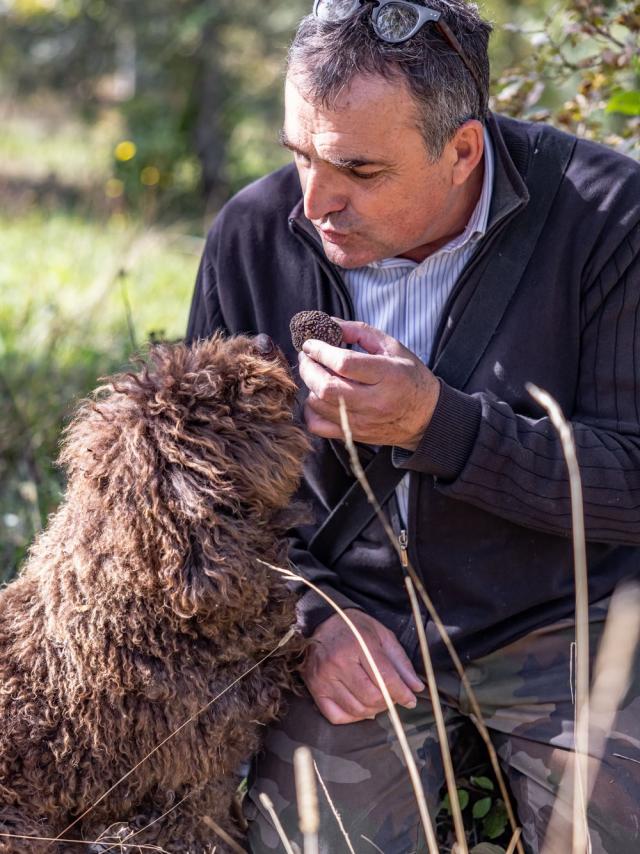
(365, 176)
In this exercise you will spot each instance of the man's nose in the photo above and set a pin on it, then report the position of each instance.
(322, 195)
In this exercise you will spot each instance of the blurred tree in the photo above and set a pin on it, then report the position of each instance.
(197, 82)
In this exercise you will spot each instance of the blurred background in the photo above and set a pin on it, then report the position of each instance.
(124, 127)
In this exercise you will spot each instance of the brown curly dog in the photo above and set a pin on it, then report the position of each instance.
(144, 599)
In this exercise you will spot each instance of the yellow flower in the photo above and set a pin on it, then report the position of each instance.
(125, 150)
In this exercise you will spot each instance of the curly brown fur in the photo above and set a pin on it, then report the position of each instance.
(143, 599)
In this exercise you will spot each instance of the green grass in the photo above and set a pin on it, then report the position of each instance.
(40, 137)
(78, 296)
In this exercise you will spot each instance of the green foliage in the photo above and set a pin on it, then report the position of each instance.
(486, 819)
(579, 69)
(79, 296)
(482, 783)
(463, 799)
(627, 103)
(481, 807)
(196, 83)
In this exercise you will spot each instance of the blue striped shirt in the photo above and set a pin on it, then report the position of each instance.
(405, 299)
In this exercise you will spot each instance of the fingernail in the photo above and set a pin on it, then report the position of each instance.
(412, 704)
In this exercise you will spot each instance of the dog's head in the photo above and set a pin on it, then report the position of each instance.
(201, 438)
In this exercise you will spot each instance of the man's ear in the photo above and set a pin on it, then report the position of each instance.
(466, 150)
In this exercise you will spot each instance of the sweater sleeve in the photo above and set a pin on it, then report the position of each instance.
(481, 451)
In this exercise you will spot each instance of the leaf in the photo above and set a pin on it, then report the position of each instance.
(481, 807)
(487, 848)
(627, 103)
(482, 783)
(496, 821)
(463, 797)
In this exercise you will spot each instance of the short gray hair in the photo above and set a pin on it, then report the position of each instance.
(325, 57)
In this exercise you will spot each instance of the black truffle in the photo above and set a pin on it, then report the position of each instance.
(314, 324)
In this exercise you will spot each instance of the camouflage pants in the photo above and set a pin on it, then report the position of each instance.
(524, 691)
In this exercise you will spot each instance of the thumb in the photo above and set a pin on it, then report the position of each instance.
(373, 341)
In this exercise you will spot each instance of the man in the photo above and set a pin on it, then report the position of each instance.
(466, 255)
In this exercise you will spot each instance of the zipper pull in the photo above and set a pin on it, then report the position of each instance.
(403, 541)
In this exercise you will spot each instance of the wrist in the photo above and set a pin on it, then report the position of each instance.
(427, 404)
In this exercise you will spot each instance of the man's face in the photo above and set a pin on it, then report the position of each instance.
(369, 186)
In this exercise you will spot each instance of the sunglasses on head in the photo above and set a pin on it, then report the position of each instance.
(395, 21)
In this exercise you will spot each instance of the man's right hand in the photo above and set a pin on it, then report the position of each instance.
(339, 678)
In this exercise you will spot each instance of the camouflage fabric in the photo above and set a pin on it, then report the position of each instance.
(524, 691)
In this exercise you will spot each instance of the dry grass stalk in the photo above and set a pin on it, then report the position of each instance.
(393, 714)
(267, 803)
(514, 841)
(477, 713)
(135, 833)
(613, 674)
(613, 667)
(373, 844)
(580, 840)
(334, 810)
(125, 846)
(449, 773)
(307, 799)
(222, 833)
(190, 720)
(476, 716)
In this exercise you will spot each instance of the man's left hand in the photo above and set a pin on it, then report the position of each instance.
(390, 395)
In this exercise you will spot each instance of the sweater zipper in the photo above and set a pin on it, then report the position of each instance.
(403, 542)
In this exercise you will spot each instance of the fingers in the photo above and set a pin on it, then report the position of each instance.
(320, 426)
(372, 340)
(396, 686)
(349, 364)
(341, 706)
(325, 384)
(334, 713)
(341, 681)
(400, 660)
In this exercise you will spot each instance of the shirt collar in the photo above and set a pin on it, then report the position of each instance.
(475, 228)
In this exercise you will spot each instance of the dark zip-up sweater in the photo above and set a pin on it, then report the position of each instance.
(489, 510)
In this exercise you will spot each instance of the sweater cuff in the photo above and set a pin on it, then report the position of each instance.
(447, 442)
(312, 609)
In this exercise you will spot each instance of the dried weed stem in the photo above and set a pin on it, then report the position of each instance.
(449, 773)
(307, 799)
(580, 837)
(267, 803)
(393, 714)
(477, 713)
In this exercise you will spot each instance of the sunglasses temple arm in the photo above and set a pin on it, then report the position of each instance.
(455, 44)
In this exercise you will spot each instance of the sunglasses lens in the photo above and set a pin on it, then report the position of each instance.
(335, 10)
(395, 22)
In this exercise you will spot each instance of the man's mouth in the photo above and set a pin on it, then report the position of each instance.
(332, 236)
